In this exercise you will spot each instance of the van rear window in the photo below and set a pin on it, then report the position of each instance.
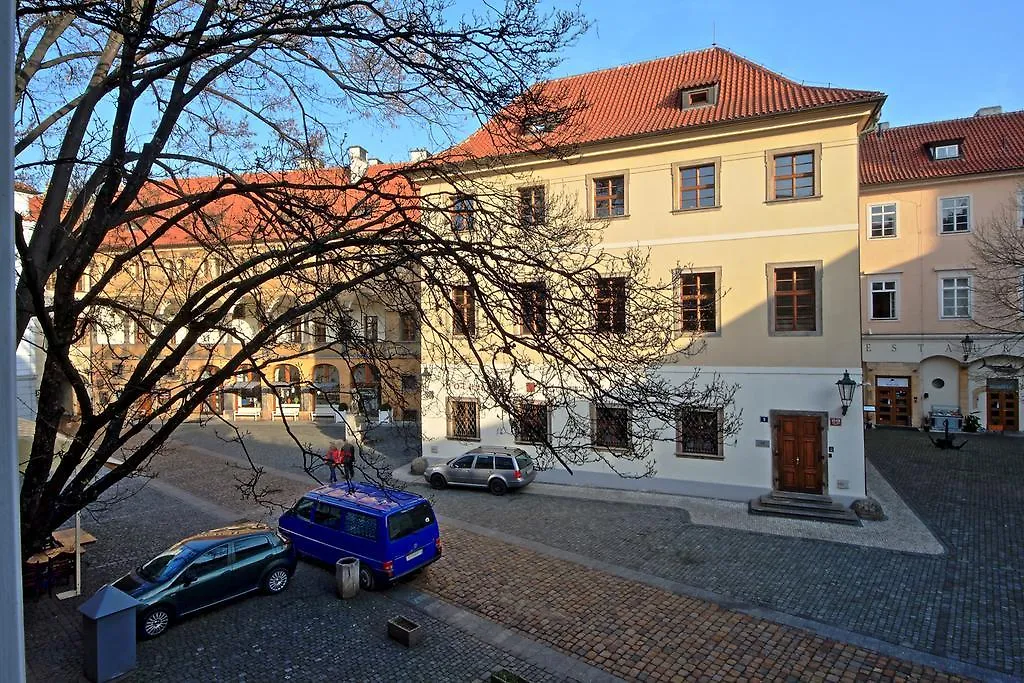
(402, 524)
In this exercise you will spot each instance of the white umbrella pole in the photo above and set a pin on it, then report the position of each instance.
(78, 561)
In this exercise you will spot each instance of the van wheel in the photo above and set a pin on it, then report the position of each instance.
(366, 580)
(497, 486)
(437, 481)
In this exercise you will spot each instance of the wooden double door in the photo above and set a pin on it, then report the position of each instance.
(892, 401)
(798, 453)
(1002, 399)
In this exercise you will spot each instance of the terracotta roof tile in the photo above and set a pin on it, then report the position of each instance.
(988, 144)
(643, 99)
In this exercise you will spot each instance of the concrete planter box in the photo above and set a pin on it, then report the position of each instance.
(405, 631)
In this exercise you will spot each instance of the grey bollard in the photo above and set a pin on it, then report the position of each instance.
(108, 634)
(346, 576)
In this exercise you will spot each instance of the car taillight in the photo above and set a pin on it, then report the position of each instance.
(437, 544)
(388, 567)
(518, 474)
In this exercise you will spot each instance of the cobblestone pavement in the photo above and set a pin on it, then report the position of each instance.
(303, 634)
(967, 604)
(640, 632)
(663, 632)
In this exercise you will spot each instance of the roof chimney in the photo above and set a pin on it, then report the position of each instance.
(989, 111)
(357, 163)
(418, 154)
(373, 161)
(881, 127)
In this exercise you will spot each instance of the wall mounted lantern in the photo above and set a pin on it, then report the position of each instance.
(968, 346)
(846, 388)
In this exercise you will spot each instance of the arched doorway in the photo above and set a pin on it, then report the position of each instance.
(214, 403)
(326, 390)
(289, 393)
(366, 383)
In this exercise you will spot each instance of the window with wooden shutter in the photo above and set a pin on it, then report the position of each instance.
(611, 304)
(796, 307)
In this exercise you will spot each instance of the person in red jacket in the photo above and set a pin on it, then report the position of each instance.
(334, 458)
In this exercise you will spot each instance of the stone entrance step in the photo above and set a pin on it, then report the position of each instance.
(802, 506)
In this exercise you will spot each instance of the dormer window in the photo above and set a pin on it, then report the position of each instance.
(700, 96)
(945, 150)
(539, 124)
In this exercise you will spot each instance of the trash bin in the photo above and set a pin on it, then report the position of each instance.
(108, 634)
(346, 575)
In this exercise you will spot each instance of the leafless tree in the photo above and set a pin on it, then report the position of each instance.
(998, 296)
(153, 123)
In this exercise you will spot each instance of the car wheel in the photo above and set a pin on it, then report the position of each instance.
(437, 481)
(275, 581)
(154, 622)
(497, 486)
(366, 579)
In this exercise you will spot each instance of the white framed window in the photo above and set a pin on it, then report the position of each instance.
(884, 299)
(954, 295)
(954, 215)
(947, 151)
(882, 219)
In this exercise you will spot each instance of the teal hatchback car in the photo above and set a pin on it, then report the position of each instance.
(208, 569)
(392, 533)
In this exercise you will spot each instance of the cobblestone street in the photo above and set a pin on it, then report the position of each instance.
(964, 605)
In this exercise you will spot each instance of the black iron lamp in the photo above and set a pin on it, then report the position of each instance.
(846, 388)
(968, 346)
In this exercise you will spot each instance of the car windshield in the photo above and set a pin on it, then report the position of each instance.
(404, 523)
(166, 564)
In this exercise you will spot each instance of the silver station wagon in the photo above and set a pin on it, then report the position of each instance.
(496, 468)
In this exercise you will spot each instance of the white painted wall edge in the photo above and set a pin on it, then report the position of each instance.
(12, 629)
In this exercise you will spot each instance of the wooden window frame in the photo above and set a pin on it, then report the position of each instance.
(375, 320)
(464, 312)
(678, 277)
(450, 410)
(719, 453)
(460, 213)
(520, 436)
(533, 309)
(594, 429)
(613, 327)
(772, 154)
(591, 181)
(882, 206)
(678, 188)
(770, 275)
(408, 332)
(528, 206)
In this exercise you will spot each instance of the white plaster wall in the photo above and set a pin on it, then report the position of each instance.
(945, 369)
(746, 468)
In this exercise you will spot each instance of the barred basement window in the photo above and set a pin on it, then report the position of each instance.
(611, 427)
(532, 423)
(463, 419)
(699, 433)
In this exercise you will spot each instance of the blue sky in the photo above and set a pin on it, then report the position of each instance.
(936, 60)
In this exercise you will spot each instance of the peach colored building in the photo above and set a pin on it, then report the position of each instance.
(925, 191)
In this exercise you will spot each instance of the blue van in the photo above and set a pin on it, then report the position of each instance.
(392, 533)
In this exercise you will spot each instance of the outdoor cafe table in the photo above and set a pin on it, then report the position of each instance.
(65, 539)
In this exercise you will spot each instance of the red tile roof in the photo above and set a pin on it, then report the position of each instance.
(643, 99)
(988, 144)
